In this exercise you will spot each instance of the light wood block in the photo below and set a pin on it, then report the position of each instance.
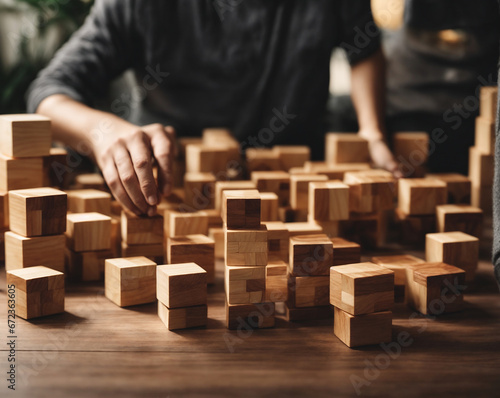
(214, 218)
(345, 252)
(276, 281)
(182, 318)
(55, 168)
(412, 229)
(217, 235)
(221, 186)
(482, 197)
(308, 313)
(420, 196)
(86, 266)
(141, 230)
(334, 171)
(153, 252)
(193, 248)
(360, 330)
(310, 255)
(485, 135)
(179, 223)
(211, 159)
(262, 159)
(39, 291)
(328, 201)
(277, 240)
(199, 190)
(346, 148)
(435, 288)
(23, 252)
(245, 284)
(299, 189)
(273, 181)
(246, 247)
(411, 150)
(481, 168)
(361, 288)
(241, 209)
(90, 181)
(457, 185)
(24, 136)
(464, 218)
(308, 291)
(130, 281)
(88, 232)
(488, 102)
(4, 210)
(292, 156)
(455, 248)
(269, 204)
(181, 285)
(303, 228)
(89, 201)
(37, 211)
(250, 316)
(370, 191)
(216, 136)
(20, 173)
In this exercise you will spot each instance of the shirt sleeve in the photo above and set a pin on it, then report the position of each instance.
(98, 52)
(359, 35)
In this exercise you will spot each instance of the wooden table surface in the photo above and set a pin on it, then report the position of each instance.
(96, 349)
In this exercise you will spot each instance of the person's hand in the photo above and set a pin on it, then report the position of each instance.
(380, 153)
(126, 161)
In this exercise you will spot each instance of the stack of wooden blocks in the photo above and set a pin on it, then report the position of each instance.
(481, 155)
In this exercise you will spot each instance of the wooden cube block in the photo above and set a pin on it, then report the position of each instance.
(23, 252)
(269, 204)
(345, 252)
(90, 181)
(20, 173)
(481, 168)
(24, 136)
(277, 241)
(411, 150)
(435, 288)
(412, 229)
(154, 252)
(250, 316)
(310, 255)
(464, 218)
(292, 156)
(193, 248)
(56, 172)
(262, 159)
(184, 317)
(485, 135)
(245, 285)
(214, 218)
(141, 230)
(215, 136)
(299, 189)
(346, 148)
(181, 285)
(88, 232)
(328, 201)
(458, 187)
(454, 248)
(303, 228)
(89, 201)
(360, 330)
(246, 247)
(221, 186)
(369, 230)
(293, 314)
(210, 159)
(217, 235)
(178, 223)
(273, 181)
(334, 171)
(488, 102)
(370, 191)
(420, 196)
(200, 190)
(130, 280)
(86, 266)
(37, 211)
(361, 288)
(39, 291)
(276, 281)
(308, 291)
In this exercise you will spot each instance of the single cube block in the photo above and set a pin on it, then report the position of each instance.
(201, 158)
(86, 266)
(485, 135)
(130, 280)
(361, 288)
(328, 201)
(454, 248)
(246, 246)
(193, 248)
(24, 136)
(411, 150)
(88, 232)
(221, 186)
(181, 285)
(245, 285)
(23, 252)
(346, 148)
(141, 230)
(179, 223)
(435, 288)
(89, 201)
(153, 252)
(308, 291)
(299, 189)
(250, 316)
(458, 187)
(269, 204)
(463, 218)
(345, 252)
(370, 191)
(293, 314)
(20, 173)
(184, 317)
(292, 155)
(277, 240)
(39, 291)
(38, 211)
(276, 281)
(273, 181)
(310, 255)
(262, 159)
(368, 329)
(199, 189)
(241, 209)
(420, 196)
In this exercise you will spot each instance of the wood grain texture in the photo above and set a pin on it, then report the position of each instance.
(89, 201)
(328, 201)
(346, 148)
(88, 232)
(181, 285)
(21, 173)
(241, 209)
(310, 255)
(463, 218)
(420, 196)
(184, 317)
(141, 230)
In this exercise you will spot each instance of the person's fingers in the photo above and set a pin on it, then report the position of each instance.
(140, 153)
(128, 178)
(113, 180)
(163, 145)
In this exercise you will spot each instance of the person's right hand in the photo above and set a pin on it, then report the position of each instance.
(126, 161)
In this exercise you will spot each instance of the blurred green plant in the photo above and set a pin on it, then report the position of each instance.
(38, 20)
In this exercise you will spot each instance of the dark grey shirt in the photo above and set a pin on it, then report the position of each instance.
(248, 65)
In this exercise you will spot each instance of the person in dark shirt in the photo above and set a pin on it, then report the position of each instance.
(240, 65)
